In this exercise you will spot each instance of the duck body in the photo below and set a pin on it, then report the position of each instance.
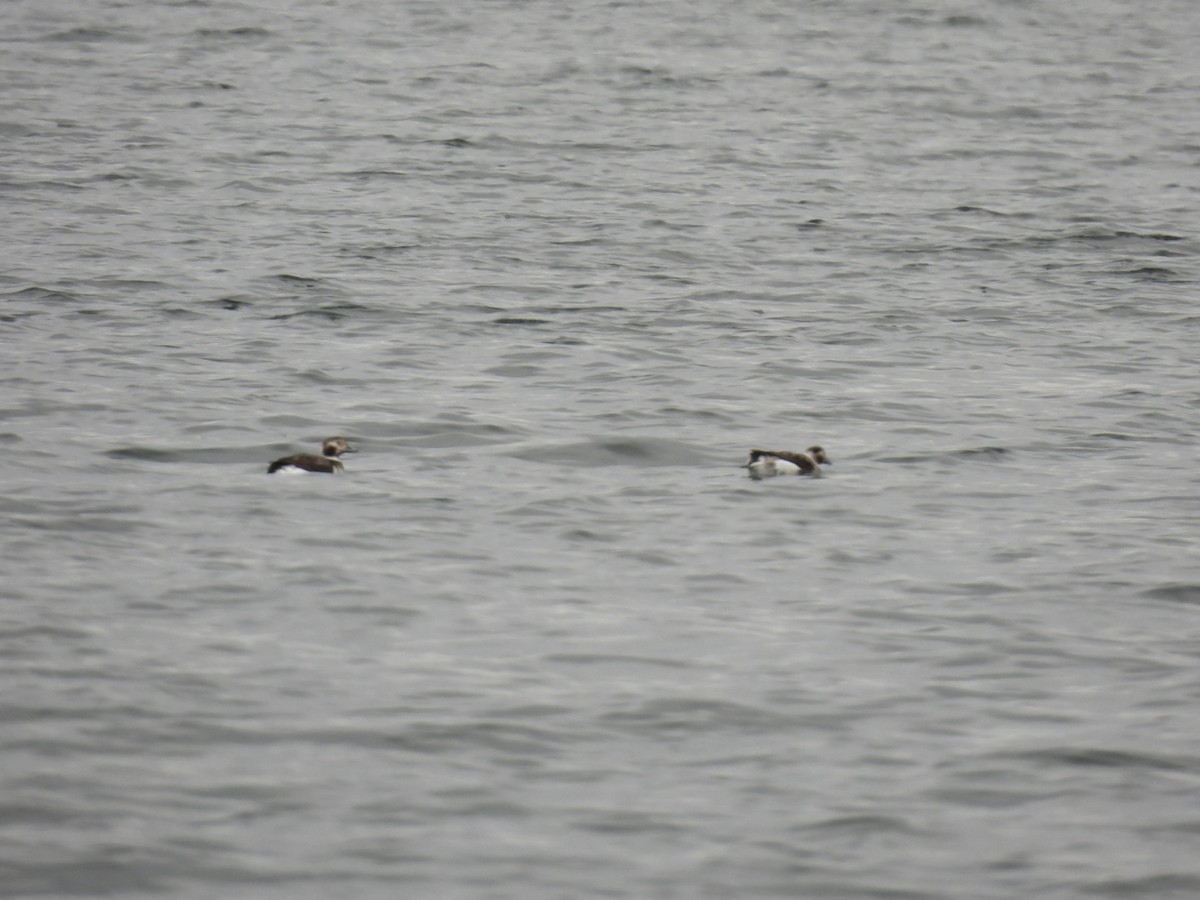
(306, 462)
(326, 463)
(769, 463)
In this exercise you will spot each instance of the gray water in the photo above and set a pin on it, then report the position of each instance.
(555, 268)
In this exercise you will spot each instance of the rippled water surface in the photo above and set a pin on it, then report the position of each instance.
(554, 269)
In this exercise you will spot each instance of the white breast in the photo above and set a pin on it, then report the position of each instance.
(770, 466)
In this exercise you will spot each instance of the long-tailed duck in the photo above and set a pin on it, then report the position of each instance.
(768, 463)
(310, 462)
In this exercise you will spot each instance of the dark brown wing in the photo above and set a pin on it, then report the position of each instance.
(308, 462)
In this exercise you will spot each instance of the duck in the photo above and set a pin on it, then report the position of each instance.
(327, 463)
(769, 463)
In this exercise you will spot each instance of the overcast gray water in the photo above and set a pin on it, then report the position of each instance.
(555, 268)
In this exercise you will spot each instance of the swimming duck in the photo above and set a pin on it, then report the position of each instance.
(768, 463)
(310, 462)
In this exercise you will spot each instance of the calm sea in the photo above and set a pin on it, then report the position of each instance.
(555, 268)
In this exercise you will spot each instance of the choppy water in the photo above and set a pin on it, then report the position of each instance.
(555, 268)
